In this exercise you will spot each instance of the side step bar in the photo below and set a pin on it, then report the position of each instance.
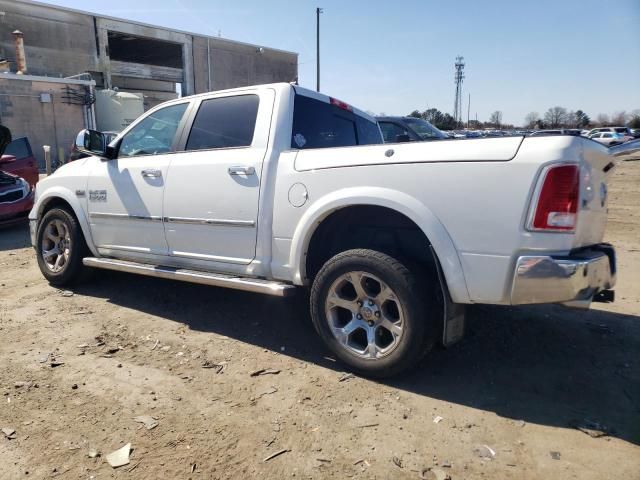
(257, 285)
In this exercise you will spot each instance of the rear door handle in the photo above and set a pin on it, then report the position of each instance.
(151, 173)
(239, 170)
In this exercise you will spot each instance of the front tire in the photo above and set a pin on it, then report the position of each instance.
(373, 312)
(60, 247)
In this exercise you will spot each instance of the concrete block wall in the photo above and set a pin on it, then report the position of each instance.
(55, 124)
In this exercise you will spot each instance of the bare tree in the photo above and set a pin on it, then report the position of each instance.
(530, 119)
(603, 119)
(619, 118)
(571, 120)
(496, 118)
(555, 117)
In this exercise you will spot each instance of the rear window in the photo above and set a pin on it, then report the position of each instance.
(317, 124)
(620, 130)
(19, 148)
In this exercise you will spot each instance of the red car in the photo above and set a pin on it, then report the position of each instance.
(16, 198)
(18, 159)
(18, 176)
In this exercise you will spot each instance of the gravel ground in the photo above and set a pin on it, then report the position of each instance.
(79, 367)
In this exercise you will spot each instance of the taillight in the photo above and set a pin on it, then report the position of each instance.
(557, 205)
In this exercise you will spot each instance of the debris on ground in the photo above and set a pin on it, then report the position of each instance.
(119, 457)
(44, 358)
(397, 461)
(26, 385)
(269, 391)
(218, 367)
(55, 361)
(484, 451)
(434, 474)
(265, 371)
(67, 293)
(276, 454)
(555, 455)
(593, 429)
(9, 433)
(93, 453)
(346, 376)
(437, 419)
(149, 422)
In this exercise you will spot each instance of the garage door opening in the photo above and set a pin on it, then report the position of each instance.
(149, 51)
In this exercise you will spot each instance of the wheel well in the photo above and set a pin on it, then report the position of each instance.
(55, 202)
(368, 226)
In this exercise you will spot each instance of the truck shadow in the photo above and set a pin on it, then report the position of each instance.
(545, 365)
(15, 235)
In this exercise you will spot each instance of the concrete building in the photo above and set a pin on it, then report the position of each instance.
(130, 56)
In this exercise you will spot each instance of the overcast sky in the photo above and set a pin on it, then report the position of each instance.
(397, 56)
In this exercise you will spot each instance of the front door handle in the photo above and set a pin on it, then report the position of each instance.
(151, 173)
(239, 170)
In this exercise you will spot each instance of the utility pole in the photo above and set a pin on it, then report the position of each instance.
(468, 109)
(318, 12)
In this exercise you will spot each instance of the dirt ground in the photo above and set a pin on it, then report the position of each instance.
(126, 346)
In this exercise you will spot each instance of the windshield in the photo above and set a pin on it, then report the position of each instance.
(424, 129)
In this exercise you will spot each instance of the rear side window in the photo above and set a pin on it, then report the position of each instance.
(19, 148)
(317, 124)
(225, 122)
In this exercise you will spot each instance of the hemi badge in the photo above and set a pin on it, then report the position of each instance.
(80, 193)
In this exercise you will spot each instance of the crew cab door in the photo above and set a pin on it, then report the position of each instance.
(124, 196)
(213, 188)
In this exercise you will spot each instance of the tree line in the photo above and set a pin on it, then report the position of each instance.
(554, 117)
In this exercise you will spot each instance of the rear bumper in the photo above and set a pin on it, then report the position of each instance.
(575, 278)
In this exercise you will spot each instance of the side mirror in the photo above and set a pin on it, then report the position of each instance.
(403, 138)
(92, 142)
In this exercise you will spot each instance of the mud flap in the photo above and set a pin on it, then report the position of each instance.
(454, 313)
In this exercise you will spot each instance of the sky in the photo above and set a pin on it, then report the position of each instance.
(394, 57)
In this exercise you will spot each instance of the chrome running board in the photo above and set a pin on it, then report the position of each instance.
(256, 285)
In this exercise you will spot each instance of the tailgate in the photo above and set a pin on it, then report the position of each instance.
(596, 171)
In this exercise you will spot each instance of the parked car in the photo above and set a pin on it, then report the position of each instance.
(408, 129)
(275, 187)
(18, 159)
(16, 198)
(625, 132)
(608, 138)
(558, 131)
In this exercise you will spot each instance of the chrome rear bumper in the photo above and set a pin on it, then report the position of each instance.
(573, 279)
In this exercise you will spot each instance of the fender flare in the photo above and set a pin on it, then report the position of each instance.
(66, 195)
(401, 202)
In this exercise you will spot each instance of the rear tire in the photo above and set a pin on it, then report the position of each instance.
(373, 312)
(60, 247)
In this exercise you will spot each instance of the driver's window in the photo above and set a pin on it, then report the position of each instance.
(155, 134)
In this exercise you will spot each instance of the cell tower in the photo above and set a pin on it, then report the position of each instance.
(459, 77)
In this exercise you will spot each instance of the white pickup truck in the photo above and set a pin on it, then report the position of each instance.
(275, 187)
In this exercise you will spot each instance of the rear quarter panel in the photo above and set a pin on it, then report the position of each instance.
(478, 198)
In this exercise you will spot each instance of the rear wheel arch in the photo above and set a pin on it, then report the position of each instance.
(400, 206)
